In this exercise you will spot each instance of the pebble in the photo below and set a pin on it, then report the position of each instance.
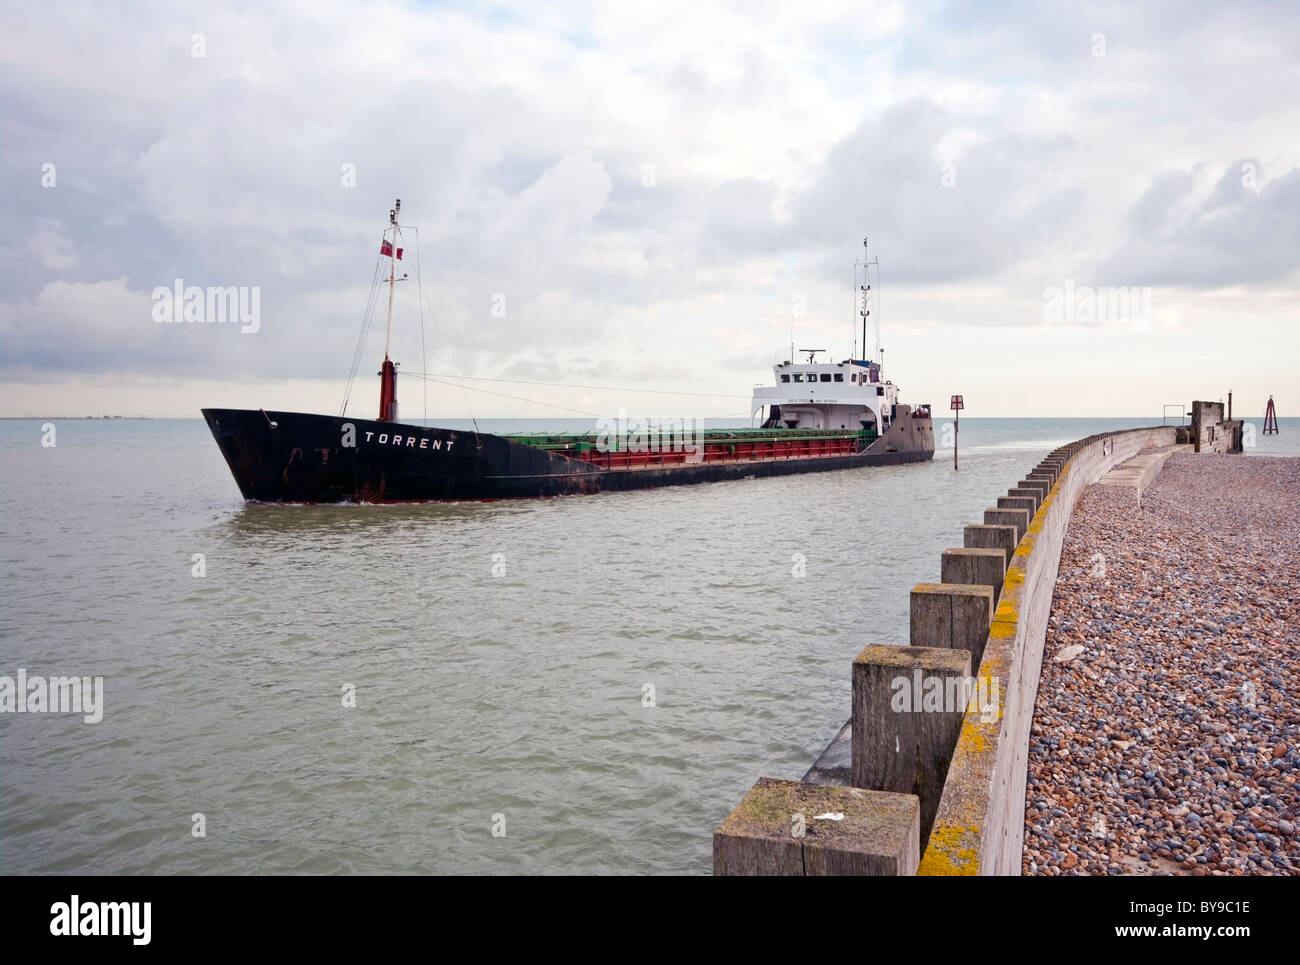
(1192, 638)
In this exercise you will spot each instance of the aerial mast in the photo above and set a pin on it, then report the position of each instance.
(864, 311)
(388, 371)
(392, 272)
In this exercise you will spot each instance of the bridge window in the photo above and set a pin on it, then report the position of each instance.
(798, 377)
(785, 378)
(826, 376)
(839, 376)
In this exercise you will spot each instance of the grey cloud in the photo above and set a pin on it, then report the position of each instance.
(886, 180)
(1235, 235)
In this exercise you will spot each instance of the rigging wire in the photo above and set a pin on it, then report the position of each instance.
(457, 380)
(853, 313)
(571, 385)
(517, 398)
(877, 291)
(447, 345)
(424, 353)
(433, 318)
(442, 380)
(367, 318)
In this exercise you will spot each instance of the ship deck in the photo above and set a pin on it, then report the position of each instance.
(658, 448)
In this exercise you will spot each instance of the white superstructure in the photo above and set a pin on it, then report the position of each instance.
(827, 395)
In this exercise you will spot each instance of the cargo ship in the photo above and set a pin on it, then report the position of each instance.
(816, 416)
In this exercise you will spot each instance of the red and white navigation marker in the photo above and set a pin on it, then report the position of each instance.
(956, 405)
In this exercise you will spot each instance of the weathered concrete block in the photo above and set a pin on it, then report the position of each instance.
(1035, 494)
(1040, 484)
(979, 827)
(776, 830)
(954, 616)
(908, 706)
(1019, 518)
(1027, 503)
(986, 536)
(974, 567)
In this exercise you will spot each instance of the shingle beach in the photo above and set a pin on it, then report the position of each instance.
(1166, 734)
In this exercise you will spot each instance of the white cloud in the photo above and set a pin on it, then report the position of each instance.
(48, 244)
(519, 138)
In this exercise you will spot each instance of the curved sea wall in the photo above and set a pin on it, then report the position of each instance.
(928, 777)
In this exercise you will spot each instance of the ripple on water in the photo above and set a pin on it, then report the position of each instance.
(521, 695)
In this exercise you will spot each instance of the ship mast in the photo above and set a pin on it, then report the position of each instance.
(388, 371)
(392, 273)
(864, 311)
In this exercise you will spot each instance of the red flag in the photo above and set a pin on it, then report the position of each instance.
(387, 249)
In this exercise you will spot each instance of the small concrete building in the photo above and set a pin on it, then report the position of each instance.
(1211, 431)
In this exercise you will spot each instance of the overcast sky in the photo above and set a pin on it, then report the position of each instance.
(650, 194)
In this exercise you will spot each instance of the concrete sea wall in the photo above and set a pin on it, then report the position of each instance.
(928, 777)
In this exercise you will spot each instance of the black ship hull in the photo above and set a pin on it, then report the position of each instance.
(292, 457)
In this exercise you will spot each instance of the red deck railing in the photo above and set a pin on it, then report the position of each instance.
(729, 450)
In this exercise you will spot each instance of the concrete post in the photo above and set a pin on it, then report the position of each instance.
(908, 707)
(776, 830)
(985, 536)
(1039, 484)
(975, 567)
(1035, 494)
(953, 616)
(1019, 518)
(1027, 503)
